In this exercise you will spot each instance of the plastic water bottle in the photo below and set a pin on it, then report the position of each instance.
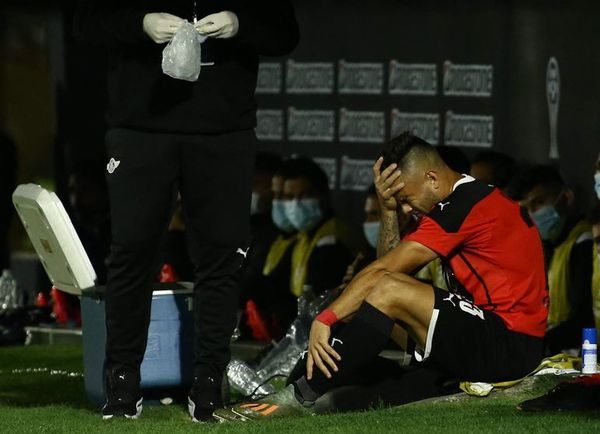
(304, 300)
(588, 351)
(244, 379)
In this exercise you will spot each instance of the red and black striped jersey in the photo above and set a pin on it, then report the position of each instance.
(494, 251)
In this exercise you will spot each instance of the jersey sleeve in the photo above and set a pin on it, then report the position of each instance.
(430, 234)
(454, 221)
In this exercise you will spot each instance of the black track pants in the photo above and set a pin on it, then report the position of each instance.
(213, 174)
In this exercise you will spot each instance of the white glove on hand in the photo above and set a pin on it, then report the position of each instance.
(161, 27)
(220, 25)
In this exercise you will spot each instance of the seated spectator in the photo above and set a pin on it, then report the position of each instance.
(268, 307)
(493, 167)
(325, 244)
(567, 241)
(286, 232)
(312, 250)
(263, 231)
(371, 225)
(372, 221)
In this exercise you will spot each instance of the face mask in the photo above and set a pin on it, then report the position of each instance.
(371, 231)
(548, 221)
(597, 184)
(254, 203)
(279, 218)
(304, 214)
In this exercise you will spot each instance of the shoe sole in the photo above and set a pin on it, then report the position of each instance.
(229, 415)
(138, 412)
(241, 416)
(220, 419)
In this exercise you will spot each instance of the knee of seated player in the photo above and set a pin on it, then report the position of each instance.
(393, 294)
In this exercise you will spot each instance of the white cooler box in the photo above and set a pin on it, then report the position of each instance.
(168, 361)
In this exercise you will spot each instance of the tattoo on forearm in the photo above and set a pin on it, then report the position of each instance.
(389, 234)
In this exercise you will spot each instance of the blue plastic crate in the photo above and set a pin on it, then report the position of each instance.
(168, 361)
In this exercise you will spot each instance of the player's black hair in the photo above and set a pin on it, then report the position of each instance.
(405, 149)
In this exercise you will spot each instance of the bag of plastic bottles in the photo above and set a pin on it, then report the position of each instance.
(280, 361)
(182, 55)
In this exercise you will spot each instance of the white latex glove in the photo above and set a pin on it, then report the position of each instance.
(161, 27)
(220, 25)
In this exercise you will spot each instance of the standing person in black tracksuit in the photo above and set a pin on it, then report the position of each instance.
(167, 135)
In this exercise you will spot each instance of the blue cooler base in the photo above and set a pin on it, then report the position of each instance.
(168, 361)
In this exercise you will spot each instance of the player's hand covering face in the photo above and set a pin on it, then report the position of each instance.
(387, 184)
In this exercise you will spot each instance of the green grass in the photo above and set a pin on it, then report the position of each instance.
(41, 402)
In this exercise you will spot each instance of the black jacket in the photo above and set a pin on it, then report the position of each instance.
(222, 100)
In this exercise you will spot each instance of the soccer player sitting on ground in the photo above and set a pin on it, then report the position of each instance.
(490, 327)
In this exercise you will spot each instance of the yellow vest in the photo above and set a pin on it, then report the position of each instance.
(277, 252)
(558, 275)
(596, 287)
(306, 244)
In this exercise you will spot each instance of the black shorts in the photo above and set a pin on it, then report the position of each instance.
(472, 344)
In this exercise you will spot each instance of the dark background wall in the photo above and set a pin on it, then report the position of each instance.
(515, 38)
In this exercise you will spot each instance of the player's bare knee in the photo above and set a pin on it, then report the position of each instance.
(387, 292)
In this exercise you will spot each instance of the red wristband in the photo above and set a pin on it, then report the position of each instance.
(327, 317)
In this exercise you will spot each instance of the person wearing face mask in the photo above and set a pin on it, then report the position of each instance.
(266, 309)
(372, 223)
(325, 244)
(567, 240)
(287, 233)
(371, 226)
(263, 231)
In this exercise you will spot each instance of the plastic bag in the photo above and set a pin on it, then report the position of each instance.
(280, 361)
(182, 55)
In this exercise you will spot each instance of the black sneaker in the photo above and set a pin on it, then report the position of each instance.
(123, 395)
(204, 398)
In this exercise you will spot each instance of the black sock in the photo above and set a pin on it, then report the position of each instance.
(357, 344)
